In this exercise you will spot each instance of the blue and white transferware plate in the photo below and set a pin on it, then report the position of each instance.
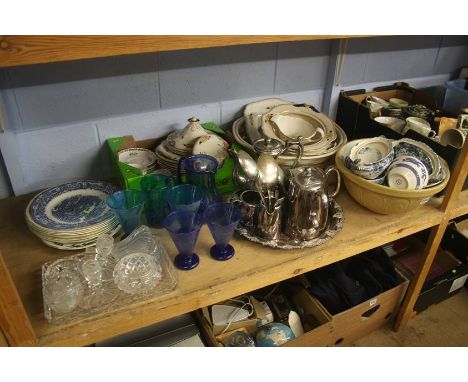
(72, 205)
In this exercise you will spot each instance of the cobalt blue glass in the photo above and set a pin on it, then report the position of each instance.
(184, 227)
(200, 170)
(155, 186)
(184, 197)
(222, 220)
(128, 205)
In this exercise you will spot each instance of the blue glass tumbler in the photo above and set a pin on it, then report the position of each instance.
(200, 170)
(184, 197)
(155, 186)
(128, 205)
(184, 227)
(222, 220)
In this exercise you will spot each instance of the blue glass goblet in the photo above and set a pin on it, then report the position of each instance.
(155, 186)
(222, 220)
(184, 197)
(128, 205)
(184, 227)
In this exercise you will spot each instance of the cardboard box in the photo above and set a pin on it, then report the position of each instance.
(130, 177)
(318, 335)
(353, 116)
(455, 239)
(446, 276)
(250, 324)
(352, 324)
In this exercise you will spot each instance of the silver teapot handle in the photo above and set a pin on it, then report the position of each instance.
(328, 170)
(300, 146)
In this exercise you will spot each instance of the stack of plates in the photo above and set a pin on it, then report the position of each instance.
(73, 215)
(170, 151)
(315, 154)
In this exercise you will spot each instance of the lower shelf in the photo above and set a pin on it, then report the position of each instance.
(252, 267)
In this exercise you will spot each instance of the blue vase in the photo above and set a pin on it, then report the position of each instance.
(200, 170)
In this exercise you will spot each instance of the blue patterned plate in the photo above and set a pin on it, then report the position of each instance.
(72, 205)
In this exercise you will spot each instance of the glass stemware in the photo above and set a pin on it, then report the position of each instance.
(222, 220)
(184, 197)
(155, 186)
(184, 227)
(128, 205)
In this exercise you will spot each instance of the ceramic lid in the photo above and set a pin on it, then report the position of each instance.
(268, 146)
(308, 178)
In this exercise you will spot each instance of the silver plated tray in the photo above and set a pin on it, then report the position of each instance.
(335, 224)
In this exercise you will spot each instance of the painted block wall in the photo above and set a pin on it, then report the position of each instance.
(60, 114)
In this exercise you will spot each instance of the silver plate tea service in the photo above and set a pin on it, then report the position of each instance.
(287, 206)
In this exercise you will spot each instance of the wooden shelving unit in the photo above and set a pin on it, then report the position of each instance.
(26, 50)
(254, 266)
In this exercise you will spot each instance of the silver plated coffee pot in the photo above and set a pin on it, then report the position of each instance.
(307, 197)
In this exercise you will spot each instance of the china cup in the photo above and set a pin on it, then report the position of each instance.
(421, 126)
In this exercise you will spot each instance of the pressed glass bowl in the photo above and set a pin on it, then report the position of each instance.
(137, 272)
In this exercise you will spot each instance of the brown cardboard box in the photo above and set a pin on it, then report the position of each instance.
(319, 335)
(250, 324)
(353, 116)
(352, 324)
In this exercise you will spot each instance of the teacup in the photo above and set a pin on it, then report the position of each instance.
(378, 100)
(397, 102)
(375, 108)
(396, 124)
(453, 137)
(420, 125)
(407, 173)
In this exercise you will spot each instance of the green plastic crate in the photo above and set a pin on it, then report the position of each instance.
(130, 177)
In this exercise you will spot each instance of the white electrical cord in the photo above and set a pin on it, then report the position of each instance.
(234, 314)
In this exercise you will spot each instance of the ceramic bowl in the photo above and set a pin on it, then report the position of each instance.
(398, 102)
(420, 151)
(407, 173)
(396, 124)
(253, 113)
(380, 198)
(139, 158)
(213, 145)
(369, 158)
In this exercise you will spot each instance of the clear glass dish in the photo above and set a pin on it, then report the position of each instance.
(89, 278)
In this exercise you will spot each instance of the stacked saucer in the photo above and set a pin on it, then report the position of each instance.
(169, 152)
(72, 215)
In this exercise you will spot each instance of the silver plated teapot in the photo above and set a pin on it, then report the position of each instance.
(307, 199)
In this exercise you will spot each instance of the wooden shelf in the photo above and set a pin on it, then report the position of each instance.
(26, 50)
(253, 266)
(461, 206)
